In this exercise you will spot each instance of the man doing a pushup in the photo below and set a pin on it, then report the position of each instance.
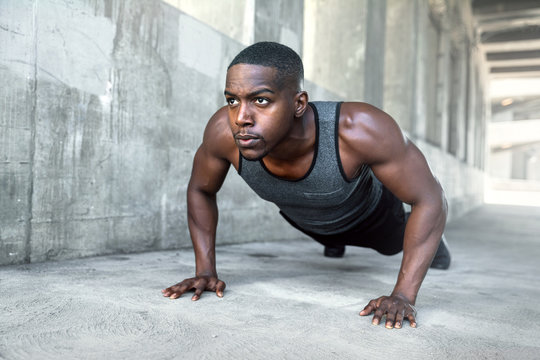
(338, 171)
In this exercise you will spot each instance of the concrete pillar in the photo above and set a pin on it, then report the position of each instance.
(375, 53)
(443, 95)
(18, 67)
(433, 90)
(462, 101)
(400, 62)
(334, 53)
(519, 165)
(280, 21)
(454, 103)
(344, 47)
(422, 57)
(472, 111)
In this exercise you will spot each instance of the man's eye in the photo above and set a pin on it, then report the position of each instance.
(261, 101)
(232, 101)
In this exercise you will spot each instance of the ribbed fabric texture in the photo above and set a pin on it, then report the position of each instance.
(323, 201)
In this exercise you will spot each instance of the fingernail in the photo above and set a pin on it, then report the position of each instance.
(388, 326)
(220, 294)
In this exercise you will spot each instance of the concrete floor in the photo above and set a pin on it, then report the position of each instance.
(283, 301)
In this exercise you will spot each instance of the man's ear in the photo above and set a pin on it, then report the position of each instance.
(301, 100)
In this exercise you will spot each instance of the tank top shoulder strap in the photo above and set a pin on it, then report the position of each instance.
(327, 113)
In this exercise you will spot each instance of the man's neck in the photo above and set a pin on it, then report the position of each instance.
(293, 157)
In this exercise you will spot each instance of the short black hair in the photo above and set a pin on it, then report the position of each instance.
(266, 53)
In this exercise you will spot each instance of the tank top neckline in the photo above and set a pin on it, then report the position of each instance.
(315, 152)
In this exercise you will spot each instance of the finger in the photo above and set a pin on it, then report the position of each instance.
(370, 307)
(390, 319)
(399, 320)
(376, 305)
(200, 285)
(198, 292)
(220, 288)
(412, 320)
(377, 317)
(178, 290)
(168, 291)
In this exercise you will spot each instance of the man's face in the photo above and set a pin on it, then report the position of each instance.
(261, 113)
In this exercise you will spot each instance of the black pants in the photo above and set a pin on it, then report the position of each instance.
(383, 230)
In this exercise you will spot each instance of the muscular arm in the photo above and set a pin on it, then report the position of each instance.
(410, 179)
(210, 167)
(402, 168)
(207, 177)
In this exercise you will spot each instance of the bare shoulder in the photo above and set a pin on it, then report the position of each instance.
(368, 133)
(218, 140)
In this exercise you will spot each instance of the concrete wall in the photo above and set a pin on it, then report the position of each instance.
(342, 47)
(105, 107)
(105, 102)
(220, 14)
(434, 87)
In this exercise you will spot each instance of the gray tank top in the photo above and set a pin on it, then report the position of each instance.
(323, 201)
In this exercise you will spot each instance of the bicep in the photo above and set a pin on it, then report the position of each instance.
(213, 158)
(208, 172)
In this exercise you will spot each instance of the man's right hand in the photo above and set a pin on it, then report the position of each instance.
(199, 283)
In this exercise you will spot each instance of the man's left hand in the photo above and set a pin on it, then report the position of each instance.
(395, 307)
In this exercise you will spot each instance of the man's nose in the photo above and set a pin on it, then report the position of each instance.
(245, 116)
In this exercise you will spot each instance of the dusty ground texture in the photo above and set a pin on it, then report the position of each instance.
(283, 301)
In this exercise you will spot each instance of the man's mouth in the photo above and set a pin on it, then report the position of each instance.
(246, 140)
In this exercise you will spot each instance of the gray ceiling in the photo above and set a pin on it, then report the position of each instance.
(510, 34)
(509, 31)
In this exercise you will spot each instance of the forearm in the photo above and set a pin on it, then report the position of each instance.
(422, 236)
(202, 222)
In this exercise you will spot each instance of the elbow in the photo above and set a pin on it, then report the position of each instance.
(441, 206)
(435, 204)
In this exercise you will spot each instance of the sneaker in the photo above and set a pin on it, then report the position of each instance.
(442, 256)
(334, 252)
